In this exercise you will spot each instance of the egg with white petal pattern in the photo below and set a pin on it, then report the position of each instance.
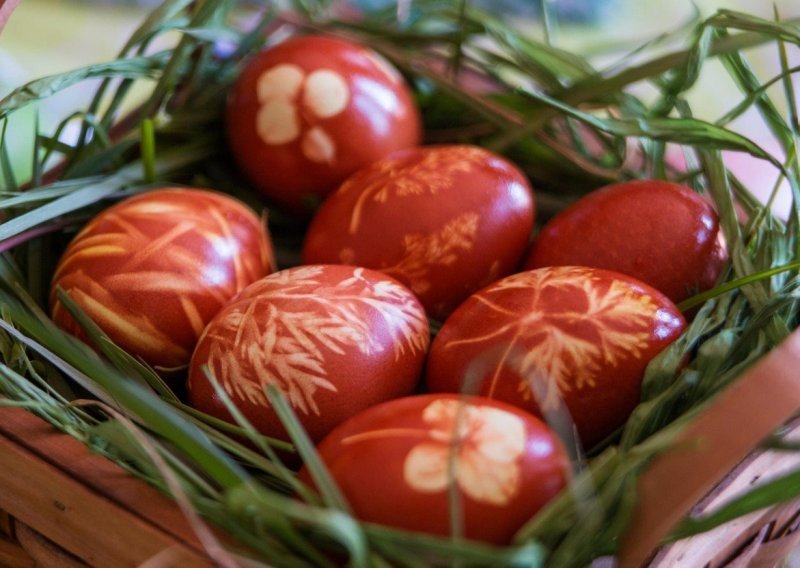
(403, 463)
(306, 113)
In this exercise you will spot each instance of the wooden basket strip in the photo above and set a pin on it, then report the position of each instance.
(12, 555)
(103, 475)
(44, 552)
(72, 511)
(766, 396)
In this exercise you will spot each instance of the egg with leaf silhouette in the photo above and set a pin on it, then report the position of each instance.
(443, 220)
(555, 339)
(331, 339)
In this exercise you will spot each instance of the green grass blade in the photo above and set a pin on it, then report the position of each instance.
(148, 67)
(735, 284)
(158, 414)
(148, 148)
(754, 95)
(123, 361)
(5, 161)
(687, 131)
(67, 204)
(729, 19)
(330, 493)
(597, 87)
(771, 493)
(351, 533)
(36, 176)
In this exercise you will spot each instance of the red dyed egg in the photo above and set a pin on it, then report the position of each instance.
(154, 269)
(308, 112)
(581, 335)
(661, 233)
(397, 464)
(333, 339)
(444, 220)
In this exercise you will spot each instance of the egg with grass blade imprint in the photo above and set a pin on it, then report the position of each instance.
(152, 270)
(444, 220)
(332, 339)
(553, 339)
(400, 463)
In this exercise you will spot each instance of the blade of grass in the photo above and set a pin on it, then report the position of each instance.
(152, 25)
(793, 151)
(103, 189)
(349, 531)
(229, 428)
(146, 67)
(36, 176)
(63, 205)
(678, 130)
(250, 431)
(148, 149)
(160, 417)
(594, 87)
(735, 284)
(5, 161)
(771, 493)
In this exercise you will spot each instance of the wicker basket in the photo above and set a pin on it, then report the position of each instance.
(56, 493)
(62, 506)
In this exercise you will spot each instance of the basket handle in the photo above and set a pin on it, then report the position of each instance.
(716, 440)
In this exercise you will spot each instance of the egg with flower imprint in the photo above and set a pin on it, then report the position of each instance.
(154, 269)
(444, 220)
(333, 339)
(308, 112)
(502, 464)
(557, 338)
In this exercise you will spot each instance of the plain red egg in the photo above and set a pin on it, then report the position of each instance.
(154, 269)
(662, 233)
(444, 220)
(397, 464)
(308, 112)
(333, 339)
(557, 337)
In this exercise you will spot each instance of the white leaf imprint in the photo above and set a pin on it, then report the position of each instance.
(286, 328)
(566, 348)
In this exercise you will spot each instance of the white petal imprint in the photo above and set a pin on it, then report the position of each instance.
(280, 82)
(489, 444)
(326, 93)
(426, 468)
(277, 122)
(318, 146)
